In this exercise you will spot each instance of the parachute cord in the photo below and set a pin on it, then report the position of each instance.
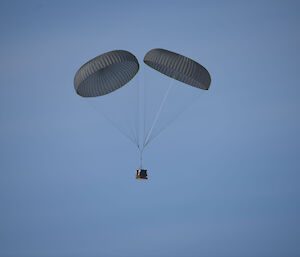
(158, 114)
(115, 125)
(141, 158)
(132, 139)
(137, 132)
(144, 114)
(187, 106)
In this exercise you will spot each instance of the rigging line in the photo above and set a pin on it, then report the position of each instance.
(158, 114)
(132, 139)
(115, 125)
(137, 118)
(144, 111)
(141, 158)
(142, 119)
(187, 106)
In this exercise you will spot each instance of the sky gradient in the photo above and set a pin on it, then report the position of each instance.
(224, 177)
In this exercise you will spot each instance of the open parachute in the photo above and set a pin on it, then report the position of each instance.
(110, 71)
(105, 73)
(178, 67)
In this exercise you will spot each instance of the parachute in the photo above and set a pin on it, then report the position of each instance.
(178, 67)
(106, 75)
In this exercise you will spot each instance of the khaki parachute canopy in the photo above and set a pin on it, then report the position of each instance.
(105, 73)
(178, 67)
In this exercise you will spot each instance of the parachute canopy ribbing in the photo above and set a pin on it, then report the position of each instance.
(105, 73)
(178, 67)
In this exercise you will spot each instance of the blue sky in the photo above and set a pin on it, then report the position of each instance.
(224, 177)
